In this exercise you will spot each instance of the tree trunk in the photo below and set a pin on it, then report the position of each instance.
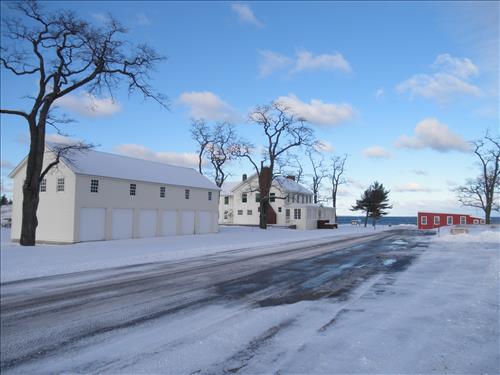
(263, 214)
(487, 214)
(31, 186)
(366, 218)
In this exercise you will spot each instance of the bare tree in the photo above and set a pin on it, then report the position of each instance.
(319, 173)
(202, 134)
(64, 152)
(65, 53)
(283, 132)
(222, 149)
(337, 164)
(480, 192)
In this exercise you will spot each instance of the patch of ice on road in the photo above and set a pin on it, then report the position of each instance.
(45, 260)
(389, 262)
(400, 242)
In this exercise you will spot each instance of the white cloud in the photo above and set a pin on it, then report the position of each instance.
(420, 172)
(185, 159)
(451, 77)
(307, 61)
(430, 133)
(303, 60)
(245, 14)
(88, 105)
(142, 19)
(324, 146)
(209, 106)
(101, 17)
(318, 112)
(61, 139)
(271, 61)
(459, 67)
(376, 152)
(380, 93)
(412, 187)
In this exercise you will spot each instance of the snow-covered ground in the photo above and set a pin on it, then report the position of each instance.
(43, 260)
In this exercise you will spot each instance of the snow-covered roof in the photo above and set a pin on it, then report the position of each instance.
(97, 163)
(289, 185)
(282, 182)
(228, 187)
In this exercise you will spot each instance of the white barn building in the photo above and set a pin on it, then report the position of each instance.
(103, 196)
(290, 204)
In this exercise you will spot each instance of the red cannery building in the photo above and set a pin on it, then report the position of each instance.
(431, 220)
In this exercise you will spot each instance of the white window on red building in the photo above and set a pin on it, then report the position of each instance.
(476, 221)
(462, 220)
(437, 220)
(423, 220)
(449, 220)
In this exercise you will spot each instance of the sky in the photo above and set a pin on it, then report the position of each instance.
(401, 87)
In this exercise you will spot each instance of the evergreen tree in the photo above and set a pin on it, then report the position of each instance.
(374, 201)
(4, 200)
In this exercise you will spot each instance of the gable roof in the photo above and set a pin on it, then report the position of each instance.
(281, 182)
(104, 164)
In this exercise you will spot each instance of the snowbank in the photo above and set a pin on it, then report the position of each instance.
(479, 234)
(43, 260)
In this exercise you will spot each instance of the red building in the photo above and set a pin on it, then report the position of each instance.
(431, 220)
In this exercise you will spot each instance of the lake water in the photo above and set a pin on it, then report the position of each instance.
(392, 220)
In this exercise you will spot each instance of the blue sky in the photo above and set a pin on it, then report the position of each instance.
(400, 87)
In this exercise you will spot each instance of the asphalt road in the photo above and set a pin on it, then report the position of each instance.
(46, 318)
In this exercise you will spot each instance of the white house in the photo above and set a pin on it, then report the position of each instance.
(290, 204)
(102, 196)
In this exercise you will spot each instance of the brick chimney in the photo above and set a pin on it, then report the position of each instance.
(291, 178)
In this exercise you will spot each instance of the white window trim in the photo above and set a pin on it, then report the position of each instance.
(437, 220)
(463, 220)
(92, 185)
(423, 220)
(448, 220)
(187, 194)
(60, 185)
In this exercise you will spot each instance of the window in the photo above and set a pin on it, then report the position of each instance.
(296, 213)
(449, 220)
(226, 200)
(279, 209)
(272, 197)
(249, 212)
(186, 193)
(462, 220)
(257, 197)
(60, 184)
(437, 220)
(43, 186)
(240, 212)
(94, 186)
(476, 221)
(133, 188)
(244, 197)
(287, 212)
(423, 220)
(209, 195)
(162, 191)
(225, 215)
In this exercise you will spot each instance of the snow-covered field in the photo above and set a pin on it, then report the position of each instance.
(43, 260)
(438, 316)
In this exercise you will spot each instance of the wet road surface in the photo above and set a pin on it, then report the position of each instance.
(48, 318)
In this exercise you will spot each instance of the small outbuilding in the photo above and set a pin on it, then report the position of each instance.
(93, 196)
(432, 220)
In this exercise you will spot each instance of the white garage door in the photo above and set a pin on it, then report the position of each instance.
(92, 224)
(187, 220)
(205, 222)
(122, 225)
(147, 223)
(169, 223)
